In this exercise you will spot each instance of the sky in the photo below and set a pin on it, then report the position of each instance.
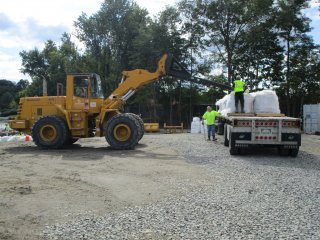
(25, 25)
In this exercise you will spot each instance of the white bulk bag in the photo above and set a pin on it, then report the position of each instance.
(248, 103)
(266, 101)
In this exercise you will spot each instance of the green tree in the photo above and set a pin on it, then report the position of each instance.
(226, 20)
(304, 80)
(5, 100)
(50, 65)
(292, 25)
(108, 36)
(259, 55)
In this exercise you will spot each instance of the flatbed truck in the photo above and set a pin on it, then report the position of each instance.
(242, 131)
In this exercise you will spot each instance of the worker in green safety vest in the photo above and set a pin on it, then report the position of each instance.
(210, 116)
(238, 85)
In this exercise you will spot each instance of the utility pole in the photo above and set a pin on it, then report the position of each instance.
(191, 72)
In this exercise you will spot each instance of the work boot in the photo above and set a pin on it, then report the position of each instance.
(214, 139)
(237, 110)
(208, 139)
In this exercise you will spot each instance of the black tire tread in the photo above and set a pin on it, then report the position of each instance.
(141, 124)
(135, 131)
(294, 152)
(61, 128)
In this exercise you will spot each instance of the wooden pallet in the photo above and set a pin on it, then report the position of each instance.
(240, 114)
(270, 115)
(173, 129)
(256, 115)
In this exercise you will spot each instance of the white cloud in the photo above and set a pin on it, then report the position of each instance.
(314, 3)
(155, 6)
(9, 65)
(25, 25)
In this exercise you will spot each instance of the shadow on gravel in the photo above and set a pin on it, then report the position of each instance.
(263, 156)
(76, 152)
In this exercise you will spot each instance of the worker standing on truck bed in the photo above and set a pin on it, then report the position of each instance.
(210, 116)
(238, 94)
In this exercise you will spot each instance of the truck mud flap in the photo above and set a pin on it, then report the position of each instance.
(291, 137)
(240, 136)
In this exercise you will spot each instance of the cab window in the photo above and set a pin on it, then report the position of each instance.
(95, 87)
(80, 87)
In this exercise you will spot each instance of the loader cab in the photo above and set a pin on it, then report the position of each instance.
(84, 91)
(87, 86)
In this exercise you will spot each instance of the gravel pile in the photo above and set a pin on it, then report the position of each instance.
(257, 196)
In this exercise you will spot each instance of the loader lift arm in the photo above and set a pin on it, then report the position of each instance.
(167, 65)
(175, 69)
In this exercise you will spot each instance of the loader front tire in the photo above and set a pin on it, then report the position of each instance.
(122, 132)
(141, 124)
(50, 132)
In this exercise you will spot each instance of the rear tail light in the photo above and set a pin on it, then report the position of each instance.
(266, 123)
(266, 138)
(242, 123)
(295, 123)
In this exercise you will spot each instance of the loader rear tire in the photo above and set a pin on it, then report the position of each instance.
(50, 132)
(141, 124)
(122, 132)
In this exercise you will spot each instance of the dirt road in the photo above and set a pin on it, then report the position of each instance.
(45, 187)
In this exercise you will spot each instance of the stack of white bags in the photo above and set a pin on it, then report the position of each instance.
(195, 125)
(265, 101)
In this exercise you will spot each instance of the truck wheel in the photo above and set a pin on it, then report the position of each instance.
(283, 152)
(226, 141)
(50, 132)
(220, 129)
(232, 149)
(122, 131)
(140, 121)
(294, 152)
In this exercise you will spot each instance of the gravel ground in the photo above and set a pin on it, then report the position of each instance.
(256, 196)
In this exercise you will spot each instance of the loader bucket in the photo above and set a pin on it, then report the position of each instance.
(175, 69)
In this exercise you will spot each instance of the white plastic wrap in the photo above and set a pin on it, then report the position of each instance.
(266, 101)
(196, 119)
(248, 102)
(5, 138)
(195, 126)
(204, 128)
(226, 104)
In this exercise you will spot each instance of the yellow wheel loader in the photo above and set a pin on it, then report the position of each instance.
(56, 121)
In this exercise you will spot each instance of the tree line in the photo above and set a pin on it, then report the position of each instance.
(265, 42)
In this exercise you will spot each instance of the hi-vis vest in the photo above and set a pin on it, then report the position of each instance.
(238, 86)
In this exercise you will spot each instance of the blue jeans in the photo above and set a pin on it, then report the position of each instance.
(211, 131)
